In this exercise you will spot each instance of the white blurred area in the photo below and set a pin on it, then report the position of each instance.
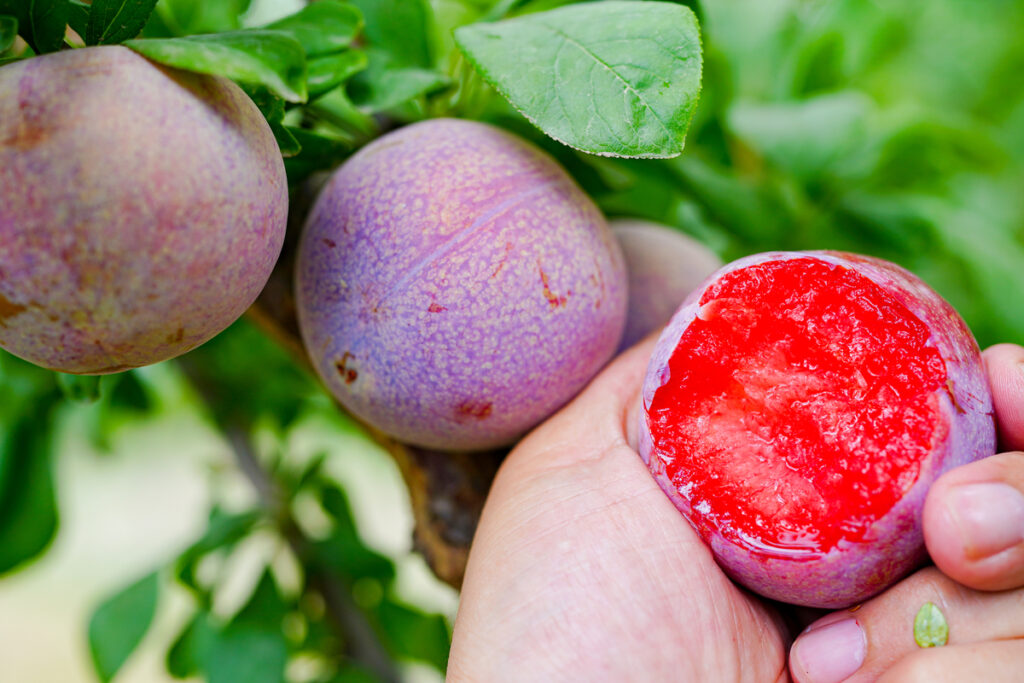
(127, 512)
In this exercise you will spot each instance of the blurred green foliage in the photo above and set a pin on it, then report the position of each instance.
(887, 128)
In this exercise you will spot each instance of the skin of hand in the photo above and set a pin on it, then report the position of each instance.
(974, 530)
(581, 568)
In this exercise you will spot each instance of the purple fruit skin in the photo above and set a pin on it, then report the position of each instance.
(141, 209)
(853, 571)
(455, 287)
(664, 266)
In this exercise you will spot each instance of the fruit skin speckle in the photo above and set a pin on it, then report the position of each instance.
(141, 209)
(851, 572)
(474, 285)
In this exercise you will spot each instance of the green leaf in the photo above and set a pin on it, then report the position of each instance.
(24, 384)
(272, 108)
(119, 624)
(611, 78)
(190, 649)
(401, 28)
(264, 58)
(336, 109)
(327, 73)
(412, 634)
(126, 392)
(28, 508)
(352, 674)
(318, 153)
(806, 137)
(8, 32)
(19, 9)
(286, 142)
(79, 388)
(47, 20)
(343, 550)
(114, 21)
(387, 83)
(184, 17)
(231, 364)
(223, 531)
(347, 556)
(323, 27)
(930, 627)
(265, 608)
(78, 17)
(247, 654)
(122, 397)
(269, 104)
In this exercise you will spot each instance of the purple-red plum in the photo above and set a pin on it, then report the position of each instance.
(455, 286)
(796, 410)
(142, 209)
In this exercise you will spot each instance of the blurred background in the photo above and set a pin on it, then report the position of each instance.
(887, 127)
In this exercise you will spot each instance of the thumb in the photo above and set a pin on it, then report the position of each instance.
(865, 642)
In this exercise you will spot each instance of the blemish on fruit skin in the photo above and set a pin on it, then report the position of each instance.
(29, 133)
(471, 409)
(504, 259)
(9, 309)
(598, 279)
(553, 299)
(331, 244)
(177, 336)
(348, 375)
(435, 307)
(952, 396)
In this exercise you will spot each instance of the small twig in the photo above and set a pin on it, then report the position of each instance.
(348, 620)
(363, 644)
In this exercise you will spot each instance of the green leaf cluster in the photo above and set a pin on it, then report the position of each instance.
(885, 130)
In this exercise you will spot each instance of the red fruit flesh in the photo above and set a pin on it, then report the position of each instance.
(800, 406)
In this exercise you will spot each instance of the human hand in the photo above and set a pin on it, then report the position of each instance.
(974, 529)
(582, 569)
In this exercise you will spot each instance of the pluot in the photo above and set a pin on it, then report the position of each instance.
(455, 286)
(796, 410)
(142, 209)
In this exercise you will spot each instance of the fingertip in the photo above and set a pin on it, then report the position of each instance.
(1005, 365)
(974, 523)
(829, 651)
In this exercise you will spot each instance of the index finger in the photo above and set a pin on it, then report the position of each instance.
(1005, 364)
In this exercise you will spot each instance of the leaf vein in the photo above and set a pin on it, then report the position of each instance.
(568, 39)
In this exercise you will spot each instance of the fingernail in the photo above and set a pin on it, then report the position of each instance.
(989, 517)
(829, 654)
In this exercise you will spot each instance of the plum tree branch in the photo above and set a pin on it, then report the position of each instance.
(348, 620)
(363, 644)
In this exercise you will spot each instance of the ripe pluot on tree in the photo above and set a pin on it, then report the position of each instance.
(142, 209)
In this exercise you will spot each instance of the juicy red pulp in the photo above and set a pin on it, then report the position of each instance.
(799, 406)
